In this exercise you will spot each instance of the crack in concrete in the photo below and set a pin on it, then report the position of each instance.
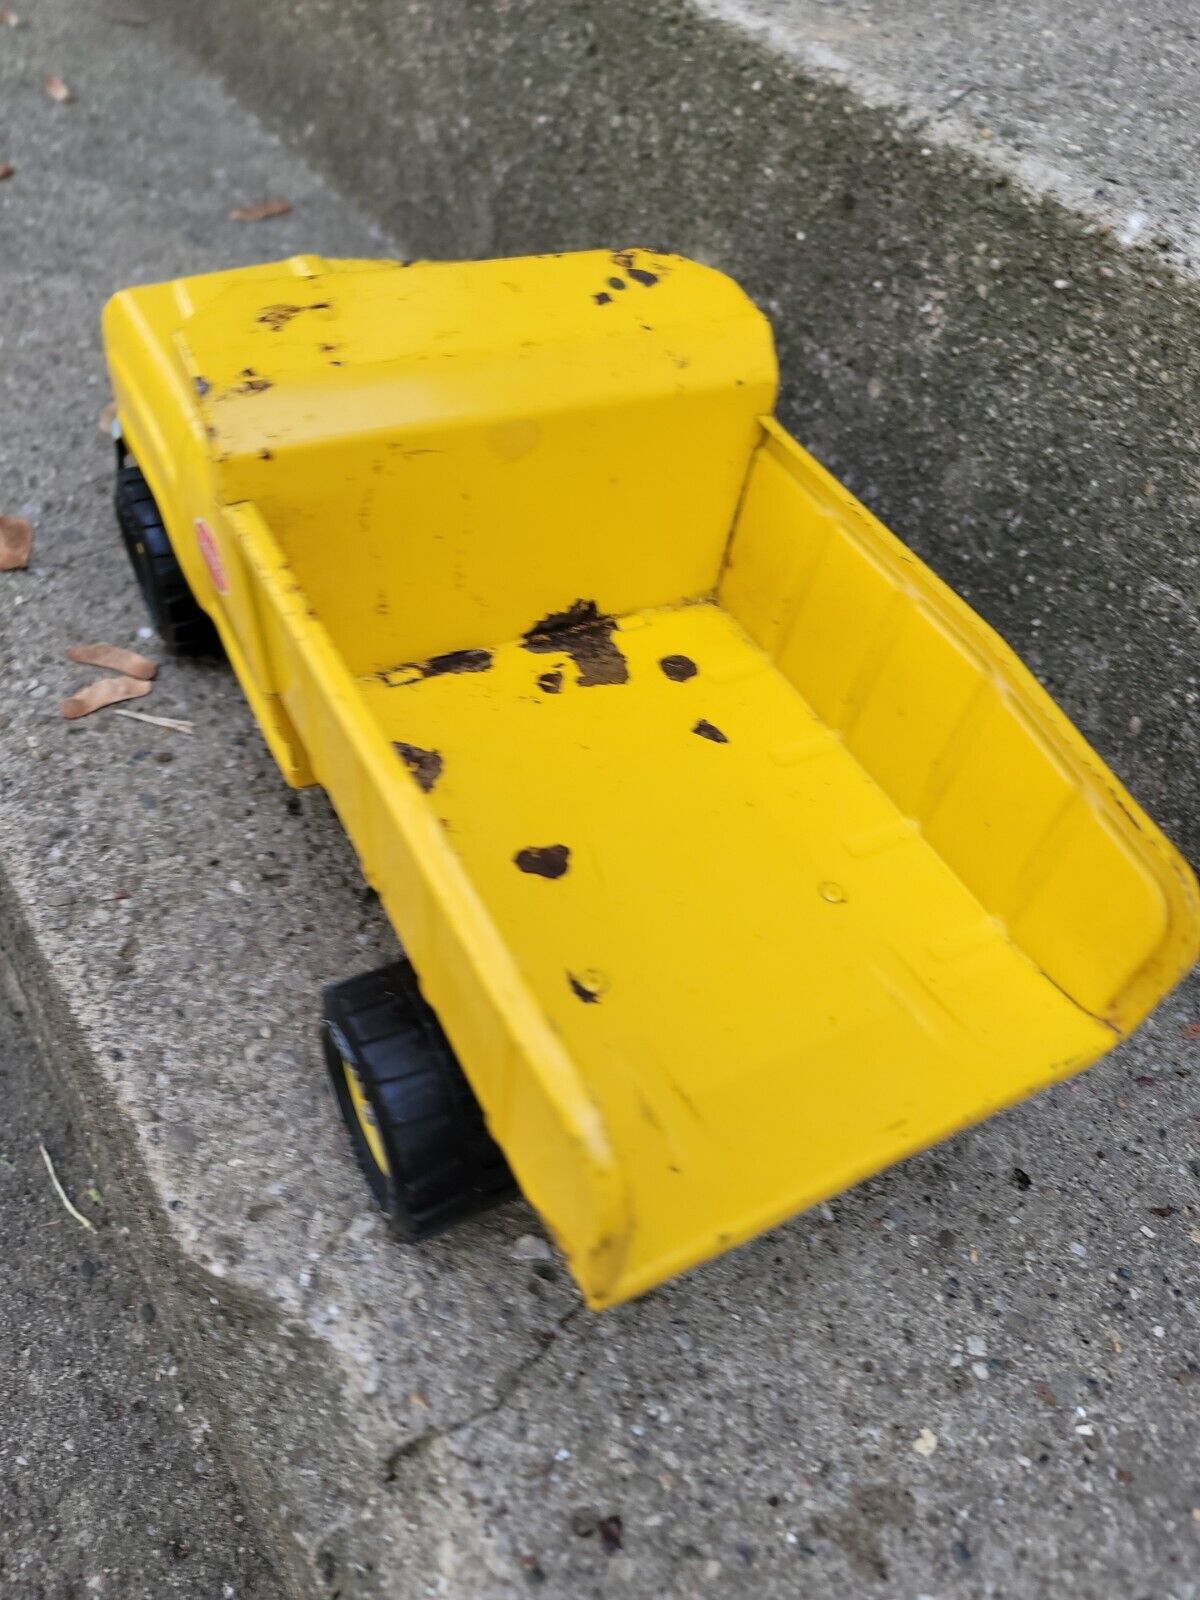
(506, 1389)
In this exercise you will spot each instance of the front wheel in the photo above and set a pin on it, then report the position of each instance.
(185, 629)
(415, 1125)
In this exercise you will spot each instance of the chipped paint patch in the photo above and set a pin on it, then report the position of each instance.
(438, 667)
(544, 860)
(678, 668)
(587, 986)
(252, 383)
(425, 765)
(457, 661)
(626, 260)
(584, 633)
(277, 317)
(708, 730)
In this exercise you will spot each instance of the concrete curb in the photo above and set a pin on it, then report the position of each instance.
(963, 335)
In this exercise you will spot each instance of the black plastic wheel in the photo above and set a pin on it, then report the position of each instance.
(184, 627)
(416, 1128)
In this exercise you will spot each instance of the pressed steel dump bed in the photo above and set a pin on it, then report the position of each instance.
(737, 856)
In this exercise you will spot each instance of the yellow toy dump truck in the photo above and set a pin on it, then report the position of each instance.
(734, 856)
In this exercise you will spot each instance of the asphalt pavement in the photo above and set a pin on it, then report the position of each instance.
(110, 1486)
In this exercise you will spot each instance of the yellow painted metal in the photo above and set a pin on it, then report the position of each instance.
(773, 868)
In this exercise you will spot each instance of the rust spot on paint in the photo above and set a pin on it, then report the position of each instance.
(456, 661)
(425, 765)
(625, 259)
(706, 730)
(583, 988)
(678, 668)
(544, 860)
(253, 384)
(584, 633)
(551, 682)
(266, 455)
(437, 667)
(276, 317)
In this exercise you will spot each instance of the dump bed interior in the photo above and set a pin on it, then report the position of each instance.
(768, 979)
(784, 947)
(657, 743)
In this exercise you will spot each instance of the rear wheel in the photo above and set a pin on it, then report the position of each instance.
(185, 629)
(415, 1126)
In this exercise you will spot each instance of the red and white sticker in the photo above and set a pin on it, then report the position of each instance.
(206, 539)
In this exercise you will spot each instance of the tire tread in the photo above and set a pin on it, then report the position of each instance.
(444, 1163)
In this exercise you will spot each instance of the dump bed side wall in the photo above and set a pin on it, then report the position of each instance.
(532, 1096)
(943, 715)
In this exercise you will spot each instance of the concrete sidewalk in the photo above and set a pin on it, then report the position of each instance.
(447, 1421)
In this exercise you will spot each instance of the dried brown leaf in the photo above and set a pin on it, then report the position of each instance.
(107, 417)
(115, 658)
(104, 692)
(260, 211)
(16, 542)
(57, 89)
(6, 170)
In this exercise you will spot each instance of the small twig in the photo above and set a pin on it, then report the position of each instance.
(159, 722)
(84, 1222)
